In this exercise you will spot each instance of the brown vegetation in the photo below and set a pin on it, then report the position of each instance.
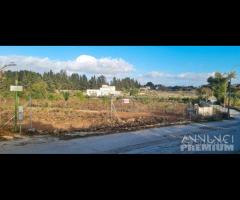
(92, 114)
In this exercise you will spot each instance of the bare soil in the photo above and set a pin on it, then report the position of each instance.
(91, 116)
(60, 120)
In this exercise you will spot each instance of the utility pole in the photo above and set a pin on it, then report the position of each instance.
(229, 96)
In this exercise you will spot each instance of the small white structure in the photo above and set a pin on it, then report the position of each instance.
(105, 90)
(204, 111)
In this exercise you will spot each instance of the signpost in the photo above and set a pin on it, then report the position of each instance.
(16, 88)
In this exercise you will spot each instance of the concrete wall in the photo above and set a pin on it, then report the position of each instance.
(92, 92)
(105, 90)
(205, 111)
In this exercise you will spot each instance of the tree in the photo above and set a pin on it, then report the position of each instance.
(204, 93)
(230, 76)
(151, 85)
(218, 84)
(101, 80)
(39, 90)
(83, 82)
(75, 81)
(93, 83)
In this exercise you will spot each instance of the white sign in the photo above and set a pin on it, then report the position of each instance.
(14, 88)
(125, 100)
(20, 108)
(20, 113)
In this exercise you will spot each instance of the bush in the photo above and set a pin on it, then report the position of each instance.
(133, 92)
(52, 96)
(66, 95)
(39, 90)
(105, 100)
(80, 96)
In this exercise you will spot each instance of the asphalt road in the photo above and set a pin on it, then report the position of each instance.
(165, 140)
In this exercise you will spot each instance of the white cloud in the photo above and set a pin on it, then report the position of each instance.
(82, 64)
(185, 78)
(89, 65)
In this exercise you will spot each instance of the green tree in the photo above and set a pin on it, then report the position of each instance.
(151, 85)
(218, 84)
(75, 81)
(101, 80)
(39, 90)
(93, 83)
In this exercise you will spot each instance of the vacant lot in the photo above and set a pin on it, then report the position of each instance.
(58, 116)
(92, 114)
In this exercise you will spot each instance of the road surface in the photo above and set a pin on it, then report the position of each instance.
(149, 141)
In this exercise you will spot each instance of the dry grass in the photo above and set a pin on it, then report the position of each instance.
(49, 116)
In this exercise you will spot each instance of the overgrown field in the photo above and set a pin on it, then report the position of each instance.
(54, 116)
(79, 113)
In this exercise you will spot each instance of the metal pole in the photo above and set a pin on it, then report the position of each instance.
(16, 108)
(229, 96)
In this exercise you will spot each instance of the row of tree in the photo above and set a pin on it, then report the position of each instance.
(40, 84)
(168, 88)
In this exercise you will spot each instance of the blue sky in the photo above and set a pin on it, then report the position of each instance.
(169, 65)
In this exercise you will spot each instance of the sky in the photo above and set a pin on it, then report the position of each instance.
(167, 65)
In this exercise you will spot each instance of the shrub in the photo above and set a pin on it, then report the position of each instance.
(80, 96)
(52, 96)
(66, 95)
(133, 92)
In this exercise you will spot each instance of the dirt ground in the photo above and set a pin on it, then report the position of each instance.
(62, 120)
(91, 115)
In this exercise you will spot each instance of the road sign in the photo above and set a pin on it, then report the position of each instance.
(125, 100)
(15, 88)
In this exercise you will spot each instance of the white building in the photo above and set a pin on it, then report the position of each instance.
(105, 90)
(93, 92)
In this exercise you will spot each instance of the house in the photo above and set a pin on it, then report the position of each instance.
(105, 90)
